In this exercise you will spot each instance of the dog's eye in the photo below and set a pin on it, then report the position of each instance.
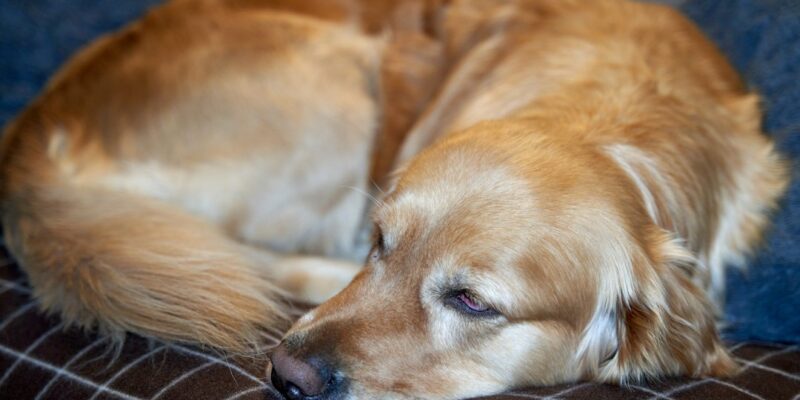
(378, 247)
(467, 303)
(472, 303)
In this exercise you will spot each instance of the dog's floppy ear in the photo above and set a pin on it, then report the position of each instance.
(665, 326)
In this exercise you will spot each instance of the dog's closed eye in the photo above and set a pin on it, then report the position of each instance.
(378, 247)
(469, 304)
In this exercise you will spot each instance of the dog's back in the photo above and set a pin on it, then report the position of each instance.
(127, 182)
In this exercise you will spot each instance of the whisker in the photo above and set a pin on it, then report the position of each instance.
(365, 193)
(378, 188)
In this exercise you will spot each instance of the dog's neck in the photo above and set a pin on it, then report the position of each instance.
(464, 43)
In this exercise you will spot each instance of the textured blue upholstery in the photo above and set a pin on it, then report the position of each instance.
(762, 38)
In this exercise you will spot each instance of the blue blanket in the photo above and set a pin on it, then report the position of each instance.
(761, 37)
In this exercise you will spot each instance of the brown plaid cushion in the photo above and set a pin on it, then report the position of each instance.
(39, 359)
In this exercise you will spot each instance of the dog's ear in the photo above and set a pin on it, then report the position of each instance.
(665, 326)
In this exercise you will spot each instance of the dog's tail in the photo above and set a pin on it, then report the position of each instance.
(120, 262)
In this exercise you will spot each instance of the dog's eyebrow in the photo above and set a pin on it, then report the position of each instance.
(378, 214)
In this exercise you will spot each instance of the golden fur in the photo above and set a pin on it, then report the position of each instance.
(585, 169)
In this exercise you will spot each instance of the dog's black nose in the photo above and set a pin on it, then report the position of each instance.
(297, 379)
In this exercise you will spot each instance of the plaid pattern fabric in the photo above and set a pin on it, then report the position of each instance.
(40, 359)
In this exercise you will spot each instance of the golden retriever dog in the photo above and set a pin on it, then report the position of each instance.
(561, 184)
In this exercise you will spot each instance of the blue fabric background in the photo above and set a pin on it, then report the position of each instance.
(762, 38)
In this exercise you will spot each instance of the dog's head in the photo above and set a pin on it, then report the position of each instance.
(494, 268)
